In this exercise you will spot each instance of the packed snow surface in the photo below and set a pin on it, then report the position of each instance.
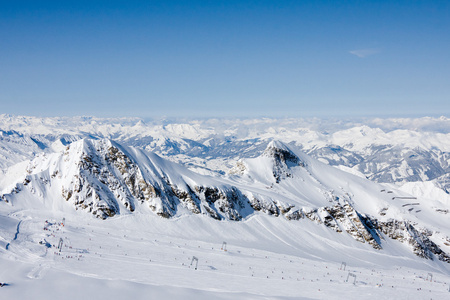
(143, 256)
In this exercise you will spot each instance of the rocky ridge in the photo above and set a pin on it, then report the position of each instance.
(106, 179)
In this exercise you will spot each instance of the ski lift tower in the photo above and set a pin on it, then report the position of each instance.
(60, 244)
(224, 246)
(196, 261)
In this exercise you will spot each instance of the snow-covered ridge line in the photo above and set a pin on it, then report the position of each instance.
(105, 179)
(384, 150)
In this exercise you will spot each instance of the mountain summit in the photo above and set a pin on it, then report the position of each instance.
(283, 159)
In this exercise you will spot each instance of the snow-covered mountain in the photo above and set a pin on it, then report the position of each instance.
(106, 179)
(396, 151)
(265, 207)
(366, 148)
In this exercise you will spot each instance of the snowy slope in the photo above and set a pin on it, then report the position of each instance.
(134, 221)
(107, 179)
(144, 256)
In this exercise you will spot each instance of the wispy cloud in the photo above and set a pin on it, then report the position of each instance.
(362, 53)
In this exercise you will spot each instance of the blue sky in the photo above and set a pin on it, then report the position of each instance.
(225, 58)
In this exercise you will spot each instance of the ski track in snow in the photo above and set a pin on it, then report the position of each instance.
(273, 234)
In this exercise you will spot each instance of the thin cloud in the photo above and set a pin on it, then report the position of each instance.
(362, 53)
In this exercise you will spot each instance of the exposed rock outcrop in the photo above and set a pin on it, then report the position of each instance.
(283, 160)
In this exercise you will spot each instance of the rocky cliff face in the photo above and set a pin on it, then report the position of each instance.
(283, 159)
(418, 240)
(370, 230)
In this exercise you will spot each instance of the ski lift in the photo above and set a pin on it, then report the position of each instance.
(224, 246)
(60, 244)
(351, 275)
(196, 261)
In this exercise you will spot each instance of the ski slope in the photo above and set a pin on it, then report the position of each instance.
(141, 255)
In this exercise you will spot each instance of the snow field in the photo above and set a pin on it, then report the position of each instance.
(263, 258)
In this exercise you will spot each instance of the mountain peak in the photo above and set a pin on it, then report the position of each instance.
(281, 153)
(283, 160)
(278, 145)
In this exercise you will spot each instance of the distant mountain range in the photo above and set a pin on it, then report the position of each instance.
(383, 150)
